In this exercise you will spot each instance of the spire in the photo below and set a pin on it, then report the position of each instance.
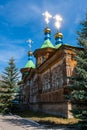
(58, 36)
(30, 63)
(30, 46)
(47, 31)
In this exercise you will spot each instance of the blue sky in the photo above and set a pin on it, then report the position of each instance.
(22, 19)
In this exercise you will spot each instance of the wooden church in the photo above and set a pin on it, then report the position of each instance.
(45, 83)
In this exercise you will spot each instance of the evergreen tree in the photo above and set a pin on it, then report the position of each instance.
(79, 88)
(8, 84)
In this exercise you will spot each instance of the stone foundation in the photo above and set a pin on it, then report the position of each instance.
(59, 109)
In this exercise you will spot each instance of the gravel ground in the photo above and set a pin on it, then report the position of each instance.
(14, 122)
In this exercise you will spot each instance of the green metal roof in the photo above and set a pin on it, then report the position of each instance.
(47, 43)
(58, 45)
(30, 64)
(70, 45)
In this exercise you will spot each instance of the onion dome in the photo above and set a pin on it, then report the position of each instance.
(47, 43)
(58, 37)
(47, 30)
(30, 55)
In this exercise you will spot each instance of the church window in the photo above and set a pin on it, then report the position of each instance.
(43, 59)
(46, 81)
(57, 78)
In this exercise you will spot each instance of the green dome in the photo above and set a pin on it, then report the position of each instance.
(58, 45)
(47, 43)
(30, 64)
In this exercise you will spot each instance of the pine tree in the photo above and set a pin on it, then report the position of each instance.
(79, 88)
(8, 84)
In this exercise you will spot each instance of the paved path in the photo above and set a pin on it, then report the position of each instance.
(13, 122)
(10, 122)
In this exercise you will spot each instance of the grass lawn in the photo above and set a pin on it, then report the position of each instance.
(48, 119)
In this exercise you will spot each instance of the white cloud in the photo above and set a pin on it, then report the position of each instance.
(11, 48)
(20, 12)
(15, 52)
(5, 42)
